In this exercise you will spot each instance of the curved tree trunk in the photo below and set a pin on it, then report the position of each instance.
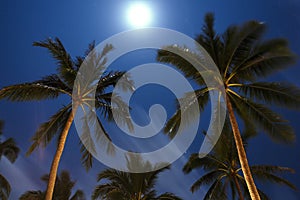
(57, 156)
(241, 153)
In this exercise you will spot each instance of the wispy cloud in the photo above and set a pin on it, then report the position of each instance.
(23, 175)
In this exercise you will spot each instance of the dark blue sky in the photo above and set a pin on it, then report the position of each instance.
(77, 23)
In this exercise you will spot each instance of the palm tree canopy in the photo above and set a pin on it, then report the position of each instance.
(243, 58)
(62, 83)
(62, 191)
(130, 186)
(222, 169)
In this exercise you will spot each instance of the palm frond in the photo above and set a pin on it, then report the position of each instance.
(233, 190)
(209, 39)
(272, 123)
(49, 129)
(89, 77)
(241, 43)
(209, 162)
(112, 78)
(215, 192)
(268, 173)
(65, 64)
(250, 128)
(4, 187)
(166, 56)
(63, 186)
(103, 137)
(108, 104)
(282, 94)
(90, 48)
(271, 169)
(105, 191)
(125, 185)
(224, 150)
(103, 105)
(9, 149)
(33, 195)
(188, 102)
(49, 87)
(2, 195)
(191, 64)
(168, 196)
(267, 58)
(86, 157)
(114, 176)
(108, 48)
(1, 127)
(80, 59)
(149, 179)
(92, 134)
(87, 141)
(207, 179)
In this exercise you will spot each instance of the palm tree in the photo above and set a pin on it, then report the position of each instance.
(130, 186)
(9, 149)
(62, 190)
(222, 169)
(53, 86)
(242, 58)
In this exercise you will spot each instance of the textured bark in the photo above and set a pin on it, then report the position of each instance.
(57, 156)
(241, 153)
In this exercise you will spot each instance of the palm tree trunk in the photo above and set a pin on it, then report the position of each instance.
(241, 153)
(238, 187)
(57, 156)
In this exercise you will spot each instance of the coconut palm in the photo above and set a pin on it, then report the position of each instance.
(222, 171)
(62, 190)
(130, 186)
(55, 85)
(243, 59)
(9, 149)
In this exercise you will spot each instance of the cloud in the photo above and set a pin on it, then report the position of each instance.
(23, 175)
(17, 177)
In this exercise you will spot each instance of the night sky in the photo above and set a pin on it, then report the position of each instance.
(77, 23)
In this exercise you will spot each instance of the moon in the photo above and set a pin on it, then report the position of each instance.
(139, 15)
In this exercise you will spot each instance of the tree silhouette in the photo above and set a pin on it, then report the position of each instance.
(243, 59)
(62, 190)
(62, 83)
(130, 186)
(222, 169)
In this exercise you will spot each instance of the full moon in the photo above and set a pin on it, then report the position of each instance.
(139, 15)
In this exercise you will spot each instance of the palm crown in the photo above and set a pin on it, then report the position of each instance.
(52, 86)
(130, 186)
(62, 191)
(243, 59)
(223, 171)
